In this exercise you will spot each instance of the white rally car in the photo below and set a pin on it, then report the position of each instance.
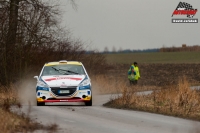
(63, 81)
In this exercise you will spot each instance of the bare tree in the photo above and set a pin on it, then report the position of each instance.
(20, 28)
(25, 26)
(120, 49)
(106, 50)
(13, 22)
(114, 49)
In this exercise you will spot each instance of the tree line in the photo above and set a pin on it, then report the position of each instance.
(107, 51)
(184, 48)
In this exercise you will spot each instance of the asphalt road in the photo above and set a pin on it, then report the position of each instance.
(77, 118)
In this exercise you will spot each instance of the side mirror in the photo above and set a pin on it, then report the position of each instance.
(36, 77)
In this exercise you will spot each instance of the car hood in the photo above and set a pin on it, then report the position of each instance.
(63, 80)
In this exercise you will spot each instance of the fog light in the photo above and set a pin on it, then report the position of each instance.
(44, 97)
(84, 96)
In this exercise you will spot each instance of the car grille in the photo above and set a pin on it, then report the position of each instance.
(56, 91)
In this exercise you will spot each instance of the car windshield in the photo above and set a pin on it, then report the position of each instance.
(66, 69)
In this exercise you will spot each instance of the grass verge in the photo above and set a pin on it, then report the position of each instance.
(177, 100)
(17, 122)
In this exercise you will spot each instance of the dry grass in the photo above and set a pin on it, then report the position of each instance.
(178, 100)
(105, 84)
(17, 122)
(102, 84)
(8, 95)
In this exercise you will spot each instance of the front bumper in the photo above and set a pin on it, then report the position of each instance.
(79, 96)
(64, 100)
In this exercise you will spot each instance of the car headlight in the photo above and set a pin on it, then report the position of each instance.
(85, 82)
(85, 85)
(42, 84)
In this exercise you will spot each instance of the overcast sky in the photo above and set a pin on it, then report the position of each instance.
(130, 24)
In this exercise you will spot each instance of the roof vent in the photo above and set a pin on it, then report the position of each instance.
(62, 61)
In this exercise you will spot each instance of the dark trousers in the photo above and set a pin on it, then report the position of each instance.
(134, 82)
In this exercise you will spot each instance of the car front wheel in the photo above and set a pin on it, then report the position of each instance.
(40, 103)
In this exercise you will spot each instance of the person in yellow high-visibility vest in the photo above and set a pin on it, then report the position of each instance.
(131, 75)
(137, 72)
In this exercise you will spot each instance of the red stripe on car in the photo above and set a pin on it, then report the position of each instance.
(50, 79)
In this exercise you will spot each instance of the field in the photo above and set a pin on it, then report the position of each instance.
(157, 69)
(157, 57)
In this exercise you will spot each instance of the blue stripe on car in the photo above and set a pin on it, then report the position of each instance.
(84, 87)
(42, 88)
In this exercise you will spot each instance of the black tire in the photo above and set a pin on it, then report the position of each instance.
(40, 103)
(89, 103)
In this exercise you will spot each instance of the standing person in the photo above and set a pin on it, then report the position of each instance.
(137, 72)
(131, 74)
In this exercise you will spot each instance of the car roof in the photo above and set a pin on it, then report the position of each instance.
(63, 63)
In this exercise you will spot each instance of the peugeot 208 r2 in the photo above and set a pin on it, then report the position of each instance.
(63, 81)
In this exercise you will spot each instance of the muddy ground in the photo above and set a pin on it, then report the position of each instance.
(159, 74)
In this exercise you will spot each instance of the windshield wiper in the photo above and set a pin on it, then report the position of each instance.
(55, 68)
(65, 70)
(59, 70)
(71, 72)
